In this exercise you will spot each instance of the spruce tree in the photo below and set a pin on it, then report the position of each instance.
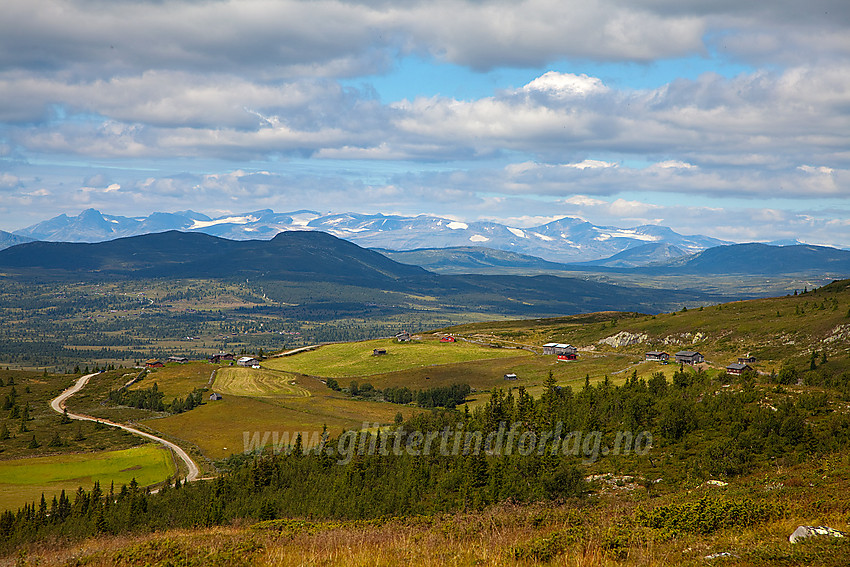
(78, 433)
(34, 444)
(4, 432)
(56, 441)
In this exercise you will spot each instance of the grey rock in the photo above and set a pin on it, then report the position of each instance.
(803, 532)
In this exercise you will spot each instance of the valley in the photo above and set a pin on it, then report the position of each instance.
(375, 392)
(767, 438)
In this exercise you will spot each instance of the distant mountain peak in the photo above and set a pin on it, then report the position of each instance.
(568, 239)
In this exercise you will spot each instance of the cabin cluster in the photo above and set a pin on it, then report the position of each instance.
(682, 357)
(216, 358)
(743, 365)
(692, 357)
(157, 363)
(561, 350)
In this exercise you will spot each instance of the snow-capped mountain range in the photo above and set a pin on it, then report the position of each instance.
(564, 240)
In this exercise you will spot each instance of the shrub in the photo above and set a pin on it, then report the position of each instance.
(707, 515)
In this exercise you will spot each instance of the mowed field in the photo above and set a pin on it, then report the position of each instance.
(353, 360)
(24, 480)
(218, 428)
(257, 382)
(486, 375)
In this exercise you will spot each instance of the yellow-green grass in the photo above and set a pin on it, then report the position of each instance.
(218, 428)
(531, 371)
(773, 329)
(24, 480)
(348, 360)
(177, 380)
(257, 382)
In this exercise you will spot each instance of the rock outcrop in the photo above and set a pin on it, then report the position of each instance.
(624, 338)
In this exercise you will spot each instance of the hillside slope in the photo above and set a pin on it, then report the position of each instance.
(773, 329)
(311, 257)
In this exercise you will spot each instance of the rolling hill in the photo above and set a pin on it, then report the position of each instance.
(310, 257)
(755, 258)
(473, 260)
(292, 255)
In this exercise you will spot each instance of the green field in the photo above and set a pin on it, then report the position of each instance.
(217, 428)
(177, 380)
(350, 360)
(24, 480)
(261, 383)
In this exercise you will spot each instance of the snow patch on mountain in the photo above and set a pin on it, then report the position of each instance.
(227, 220)
(567, 239)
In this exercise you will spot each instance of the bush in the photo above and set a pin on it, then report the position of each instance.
(707, 515)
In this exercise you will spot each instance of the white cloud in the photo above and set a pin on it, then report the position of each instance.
(565, 85)
(673, 164)
(591, 164)
(821, 170)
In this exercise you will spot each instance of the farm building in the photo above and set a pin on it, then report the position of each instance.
(379, 352)
(248, 361)
(178, 359)
(221, 356)
(510, 376)
(689, 357)
(749, 359)
(214, 397)
(657, 356)
(153, 363)
(559, 348)
(447, 339)
(403, 337)
(737, 368)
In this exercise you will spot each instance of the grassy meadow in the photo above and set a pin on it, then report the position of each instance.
(217, 428)
(24, 480)
(176, 380)
(253, 382)
(29, 416)
(353, 360)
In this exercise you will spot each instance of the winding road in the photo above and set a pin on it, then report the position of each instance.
(58, 404)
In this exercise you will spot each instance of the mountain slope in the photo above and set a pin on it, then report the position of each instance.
(8, 239)
(310, 257)
(755, 258)
(651, 253)
(471, 260)
(176, 254)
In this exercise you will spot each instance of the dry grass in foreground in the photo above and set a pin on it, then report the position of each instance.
(573, 534)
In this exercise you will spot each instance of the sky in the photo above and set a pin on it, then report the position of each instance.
(717, 117)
